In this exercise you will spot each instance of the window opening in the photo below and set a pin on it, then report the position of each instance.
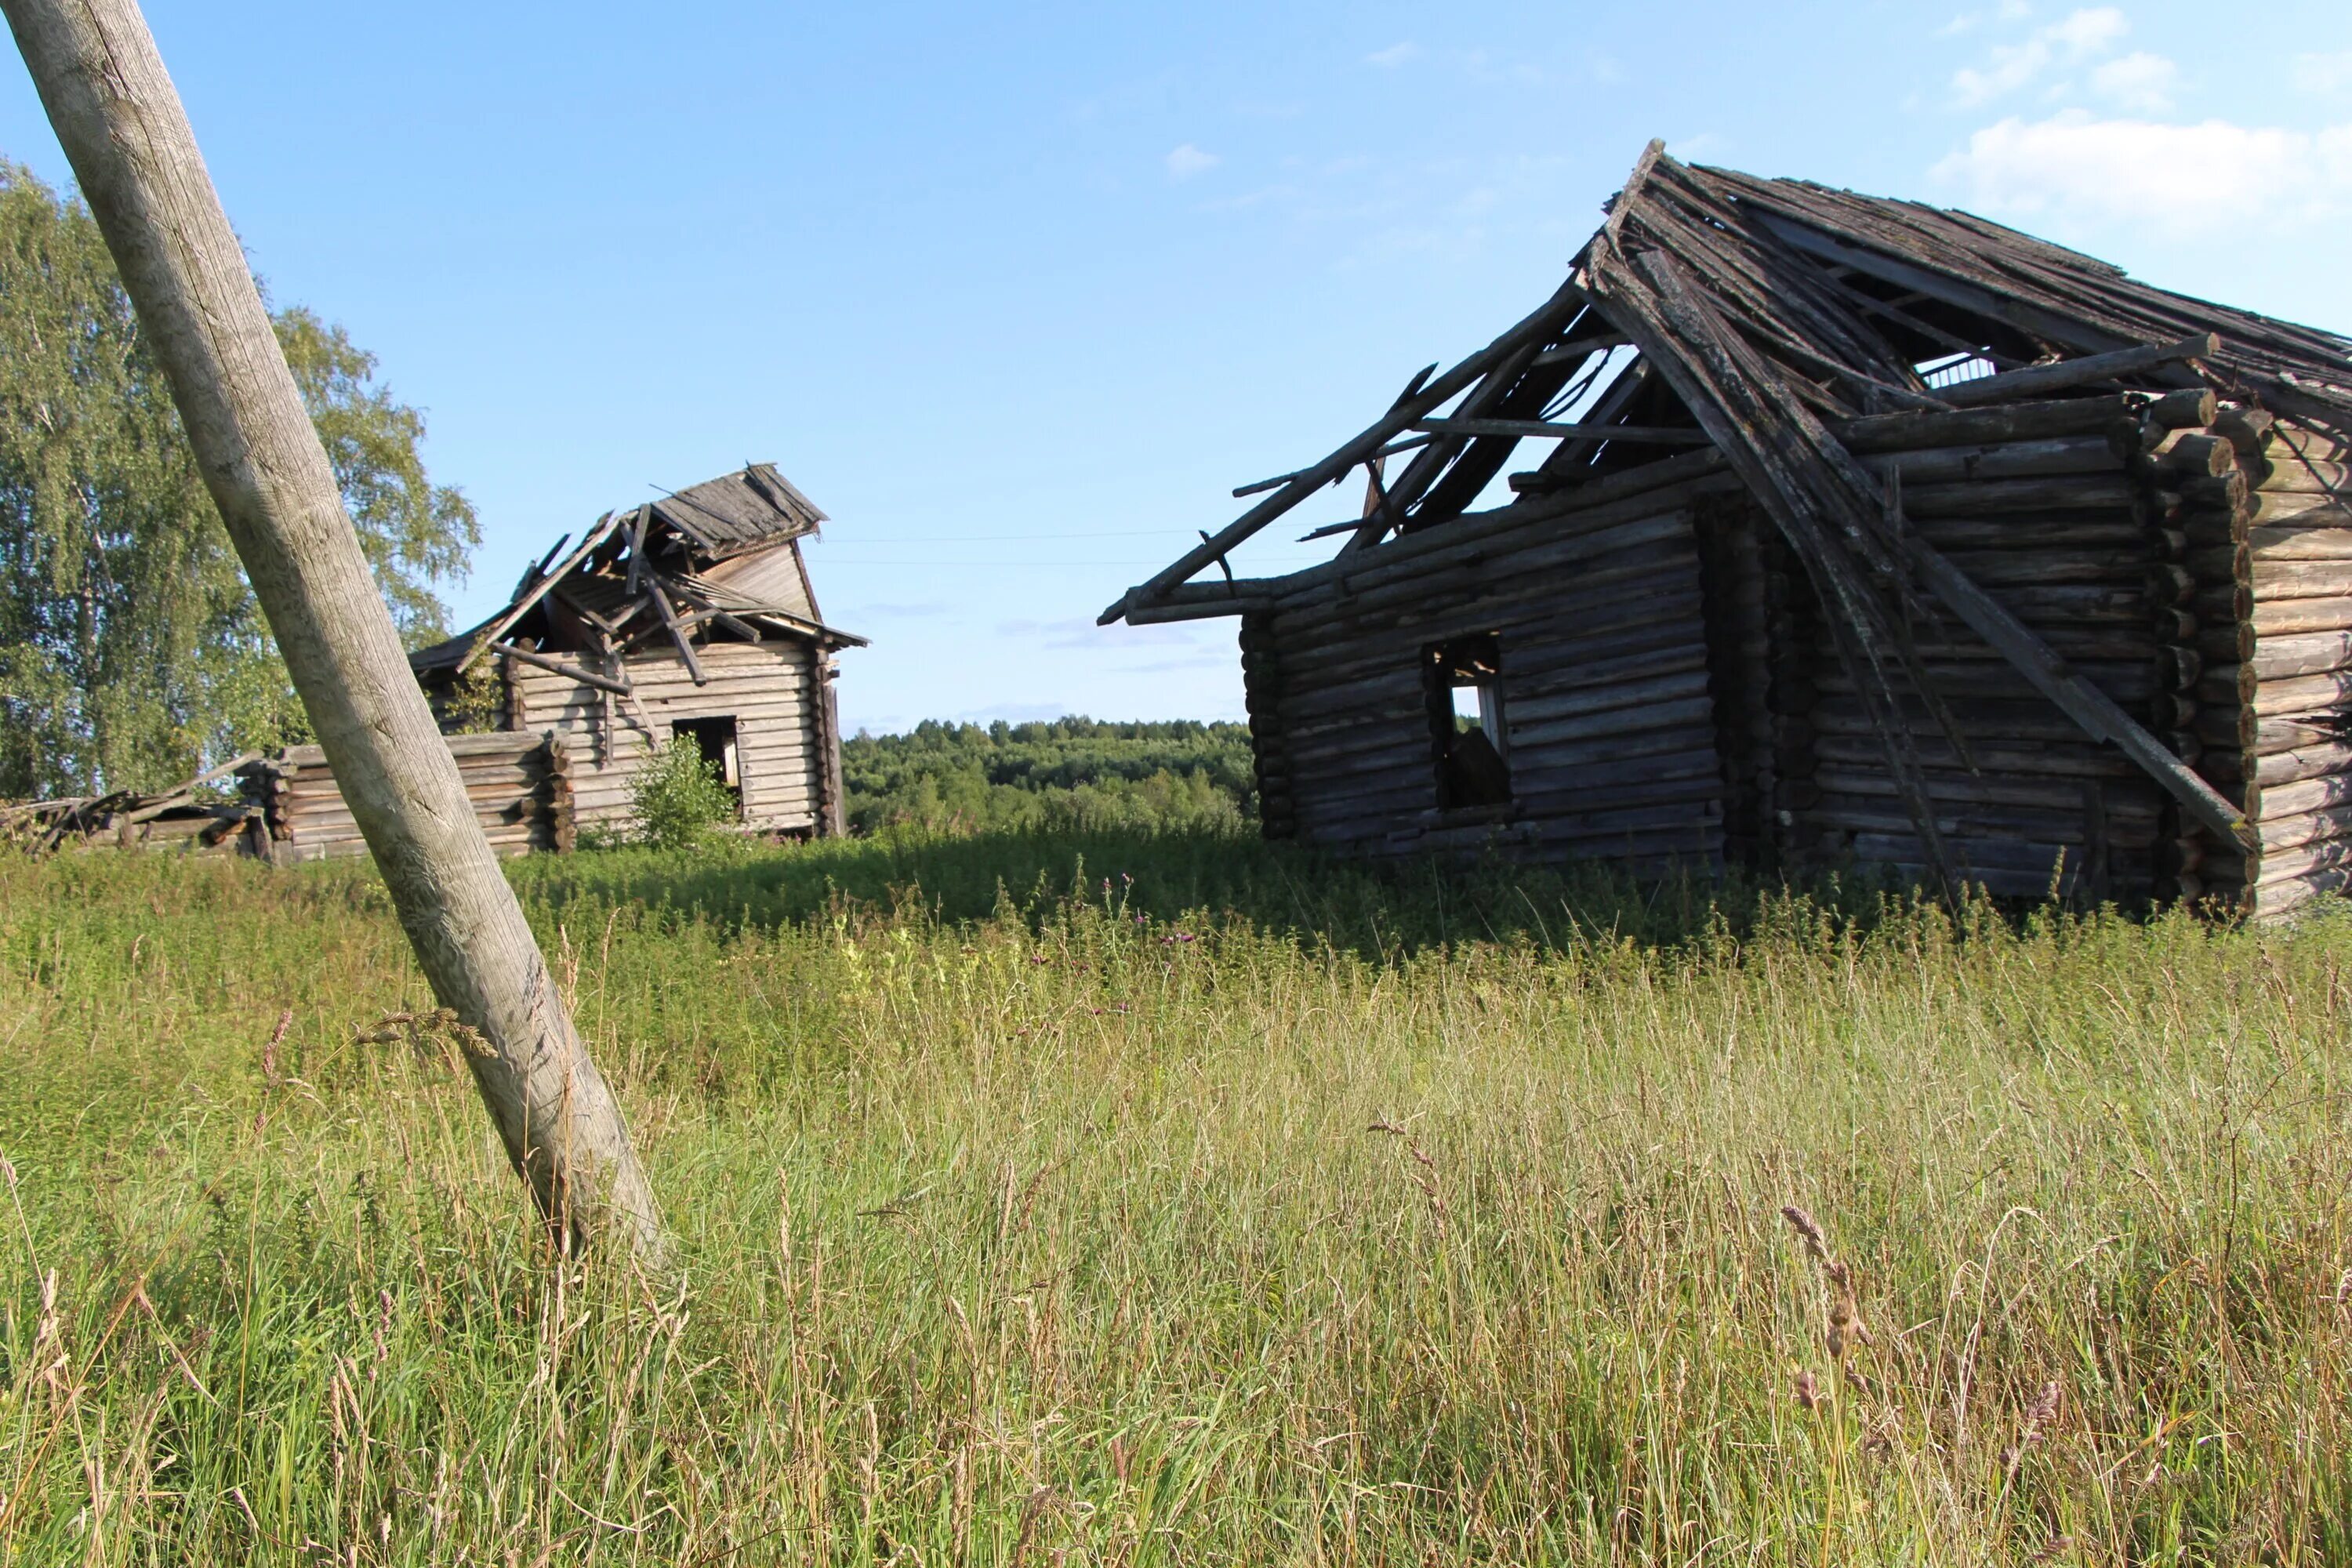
(1950, 370)
(1468, 734)
(715, 738)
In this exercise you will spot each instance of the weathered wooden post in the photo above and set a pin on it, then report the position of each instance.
(128, 138)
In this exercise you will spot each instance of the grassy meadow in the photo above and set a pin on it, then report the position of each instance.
(1153, 1199)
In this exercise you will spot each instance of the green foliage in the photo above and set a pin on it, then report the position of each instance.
(476, 701)
(678, 798)
(131, 649)
(1247, 1210)
(1069, 775)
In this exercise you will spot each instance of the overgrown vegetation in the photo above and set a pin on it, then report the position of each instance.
(678, 800)
(1063, 774)
(132, 650)
(1136, 1198)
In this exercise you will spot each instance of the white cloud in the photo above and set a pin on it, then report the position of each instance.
(2182, 180)
(1969, 21)
(2014, 64)
(2010, 66)
(1188, 160)
(2140, 82)
(1393, 55)
(2324, 73)
(2088, 31)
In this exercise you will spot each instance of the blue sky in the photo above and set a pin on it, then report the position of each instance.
(1019, 296)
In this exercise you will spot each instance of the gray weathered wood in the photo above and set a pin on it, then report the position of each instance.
(1542, 322)
(135, 159)
(2040, 380)
(1544, 430)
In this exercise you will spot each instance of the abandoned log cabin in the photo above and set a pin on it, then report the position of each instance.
(691, 616)
(1853, 531)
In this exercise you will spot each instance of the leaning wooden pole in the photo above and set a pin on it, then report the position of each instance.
(128, 138)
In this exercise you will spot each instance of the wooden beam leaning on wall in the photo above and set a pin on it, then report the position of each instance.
(135, 158)
(1545, 319)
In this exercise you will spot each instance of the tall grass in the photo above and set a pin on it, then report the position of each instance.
(1159, 1201)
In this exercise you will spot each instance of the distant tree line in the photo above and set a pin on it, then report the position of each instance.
(131, 651)
(1064, 773)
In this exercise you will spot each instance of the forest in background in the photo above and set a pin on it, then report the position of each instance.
(1075, 772)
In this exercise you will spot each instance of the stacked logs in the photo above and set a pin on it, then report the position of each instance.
(1740, 595)
(2262, 505)
(520, 785)
(1262, 695)
(2036, 504)
(1594, 599)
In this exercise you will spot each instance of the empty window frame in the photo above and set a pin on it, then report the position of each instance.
(1469, 739)
(714, 738)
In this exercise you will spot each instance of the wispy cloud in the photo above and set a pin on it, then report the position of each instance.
(1080, 633)
(902, 611)
(2322, 73)
(1394, 55)
(2183, 180)
(2087, 31)
(2008, 67)
(1969, 21)
(2139, 82)
(1188, 160)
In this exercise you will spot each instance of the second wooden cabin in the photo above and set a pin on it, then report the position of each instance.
(1862, 533)
(692, 617)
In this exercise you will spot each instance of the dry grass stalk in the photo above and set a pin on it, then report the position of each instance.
(350, 1299)
(1426, 1177)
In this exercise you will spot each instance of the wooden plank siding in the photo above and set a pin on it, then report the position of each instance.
(2268, 524)
(1672, 696)
(1602, 691)
(518, 785)
(767, 687)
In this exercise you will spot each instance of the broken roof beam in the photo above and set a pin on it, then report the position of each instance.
(1545, 429)
(1206, 601)
(1431, 474)
(2035, 381)
(522, 606)
(1542, 323)
(1390, 450)
(677, 633)
(569, 671)
(2042, 323)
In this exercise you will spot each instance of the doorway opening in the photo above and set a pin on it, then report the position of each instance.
(1463, 678)
(715, 738)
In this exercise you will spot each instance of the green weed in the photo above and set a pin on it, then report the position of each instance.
(1152, 1199)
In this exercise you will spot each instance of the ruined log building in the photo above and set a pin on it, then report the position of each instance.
(691, 615)
(1853, 531)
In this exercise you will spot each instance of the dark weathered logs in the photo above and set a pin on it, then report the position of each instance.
(1999, 460)
(2108, 417)
(1979, 499)
(2281, 767)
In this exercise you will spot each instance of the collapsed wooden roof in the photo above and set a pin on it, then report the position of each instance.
(717, 559)
(1767, 323)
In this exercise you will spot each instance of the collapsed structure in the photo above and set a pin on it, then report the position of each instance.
(691, 615)
(1867, 533)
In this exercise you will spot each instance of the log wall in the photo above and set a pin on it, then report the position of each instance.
(2049, 520)
(783, 727)
(1672, 694)
(518, 784)
(1598, 608)
(2261, 507)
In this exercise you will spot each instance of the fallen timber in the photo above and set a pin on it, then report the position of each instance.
(2084, 610)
